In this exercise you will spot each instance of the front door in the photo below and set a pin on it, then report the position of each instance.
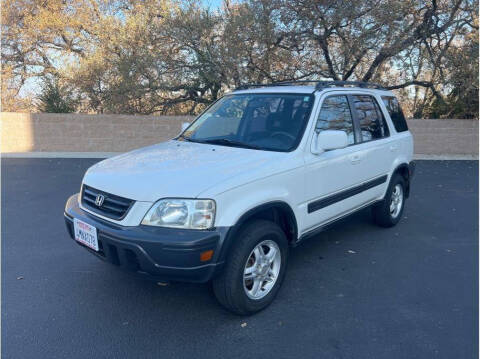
(330, 176)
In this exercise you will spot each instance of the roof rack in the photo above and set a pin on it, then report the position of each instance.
(281, 83)
(323, 84)
(319, 85)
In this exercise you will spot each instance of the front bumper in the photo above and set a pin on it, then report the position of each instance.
(153, 252)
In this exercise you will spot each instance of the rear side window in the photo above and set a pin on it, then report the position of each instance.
(335, 115)
(370, 118)
(395, 112)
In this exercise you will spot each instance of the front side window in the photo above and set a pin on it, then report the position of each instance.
(274, 122)
(395, 112)
(335, 115)
(372, 123)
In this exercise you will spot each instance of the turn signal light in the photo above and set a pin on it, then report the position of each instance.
(206, 256)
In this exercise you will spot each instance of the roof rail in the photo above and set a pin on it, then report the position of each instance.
(323, 84)
(319, 85)
(280, 83)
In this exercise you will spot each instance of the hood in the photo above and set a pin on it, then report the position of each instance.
(175, 169)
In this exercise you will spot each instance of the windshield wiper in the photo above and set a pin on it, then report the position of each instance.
(227, 142)
(185, 138)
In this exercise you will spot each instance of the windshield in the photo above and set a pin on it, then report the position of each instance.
(272, 122)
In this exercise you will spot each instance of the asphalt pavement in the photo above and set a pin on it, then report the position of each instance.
(354, 291)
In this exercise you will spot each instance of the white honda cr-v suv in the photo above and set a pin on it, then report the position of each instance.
(260, 170)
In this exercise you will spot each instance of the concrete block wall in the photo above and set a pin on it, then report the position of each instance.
(445, 137)
(23, 132)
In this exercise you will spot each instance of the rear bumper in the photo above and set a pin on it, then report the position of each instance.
(153, 252)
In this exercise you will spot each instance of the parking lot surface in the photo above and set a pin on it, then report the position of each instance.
(354, 291)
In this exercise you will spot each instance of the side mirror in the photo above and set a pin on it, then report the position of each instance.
(185, 125)
(329, 140)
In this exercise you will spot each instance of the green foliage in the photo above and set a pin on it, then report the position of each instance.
(55, 98)
(460, 103)
(462, 78)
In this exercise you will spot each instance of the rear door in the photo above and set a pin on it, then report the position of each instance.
(376, 148)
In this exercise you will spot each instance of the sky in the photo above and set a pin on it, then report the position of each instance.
(213, 4)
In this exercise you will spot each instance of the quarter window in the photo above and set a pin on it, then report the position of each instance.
(335, 115)
(370, 118)
(395, 113)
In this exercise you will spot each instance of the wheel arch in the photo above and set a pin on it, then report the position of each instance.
(403, 170)
(278, 212)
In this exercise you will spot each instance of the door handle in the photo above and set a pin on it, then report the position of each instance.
(355, 158)
(393, 148)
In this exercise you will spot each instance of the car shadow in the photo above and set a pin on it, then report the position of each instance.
(180, 299)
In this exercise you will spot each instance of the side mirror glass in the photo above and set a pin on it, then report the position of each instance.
(329, 140)
(185, 125)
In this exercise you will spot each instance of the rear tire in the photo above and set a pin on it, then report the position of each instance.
(255, 268)
(389, 212)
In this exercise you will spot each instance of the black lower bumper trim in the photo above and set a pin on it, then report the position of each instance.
(161, 254)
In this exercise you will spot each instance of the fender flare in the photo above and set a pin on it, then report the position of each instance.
(233, 231)
(404, 170)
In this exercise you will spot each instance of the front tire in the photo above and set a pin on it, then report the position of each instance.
(389, 212)
(255, 268)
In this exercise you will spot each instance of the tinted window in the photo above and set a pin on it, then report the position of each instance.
(371, 120)
(266, 121)
(335, 115)
(395, 113)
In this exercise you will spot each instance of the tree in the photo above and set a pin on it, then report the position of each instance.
(151, 59)
(164, 56)
(37, 36)
(55, 98)
(461, 75)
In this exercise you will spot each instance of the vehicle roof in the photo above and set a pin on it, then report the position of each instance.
(310, 90)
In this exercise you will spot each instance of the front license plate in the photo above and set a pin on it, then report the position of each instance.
(85, 234)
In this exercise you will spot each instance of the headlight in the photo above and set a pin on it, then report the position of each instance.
(181, 213)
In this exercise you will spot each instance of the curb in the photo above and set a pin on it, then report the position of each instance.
(446, 157)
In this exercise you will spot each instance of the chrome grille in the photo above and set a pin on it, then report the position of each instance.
(114, 207)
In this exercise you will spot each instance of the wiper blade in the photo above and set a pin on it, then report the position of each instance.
(227, 142)
(185, 138)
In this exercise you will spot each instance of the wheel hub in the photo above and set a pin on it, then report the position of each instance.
(262, 269)
(396, 201)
